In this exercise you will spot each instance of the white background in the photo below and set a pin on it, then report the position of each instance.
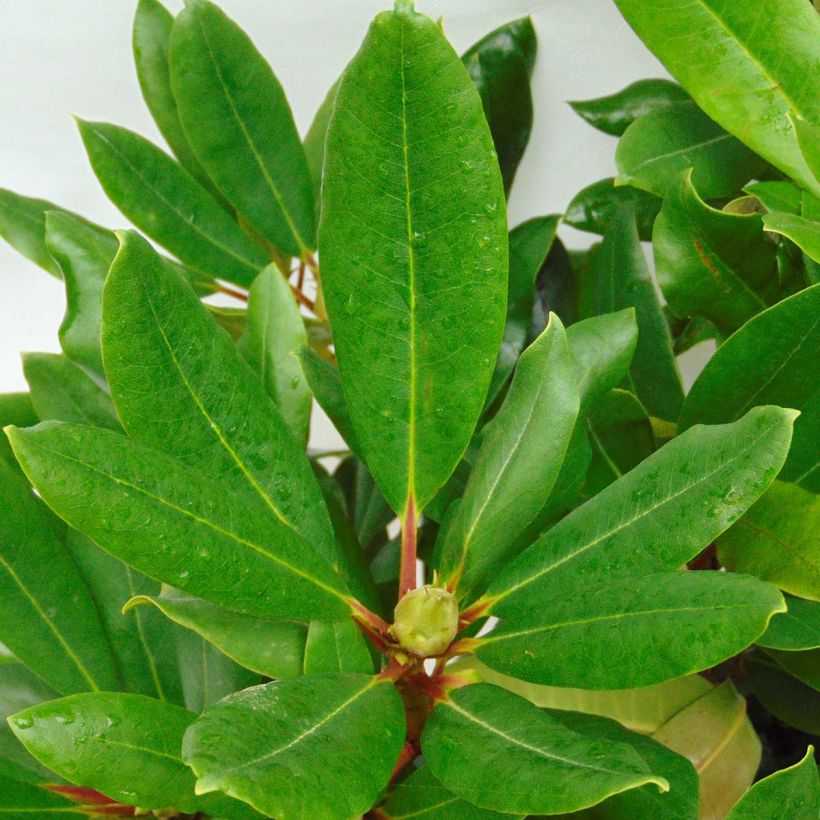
(64, 57)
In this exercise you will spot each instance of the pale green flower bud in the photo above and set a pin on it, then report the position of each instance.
(426, 621)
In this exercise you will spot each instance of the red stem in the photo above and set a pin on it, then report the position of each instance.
(409, 530)
(237, 294)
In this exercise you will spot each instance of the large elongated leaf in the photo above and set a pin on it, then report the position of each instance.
(407, 123)
(797, 629)
(154, 324)
(521, 455)
(634, 631)
(165, 201)
(500, 65)
(539, 765)
(177, 525)
(618, 278)
(659, 515)
(273, 335)
(805, 233)
(719, 49)
(238, 121)
(780, 693)
(712, 263)
(76, 736)
(266, 744)
(47, 618)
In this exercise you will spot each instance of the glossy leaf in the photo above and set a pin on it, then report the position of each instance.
(766, 362)
(500, 65)
(415, 371)
(763, 66)
(659, 515)
(793, 792)
(336, 646)
(797, 629)
(239, 124)
(272, 648)
(712, 263)
(62, 391)
(165, 201)
(776, 195)
(16, 409)
(520, 458)
(208, 540)
(232, 428)
(777, 540)
(273, 336)
(618, 278)
(656, 148)
(808, 136)
(805, 233)
(606, 636)
(75, 735)
(595, 207)
(314, 141)
(265, 745)
(715, 735)
(539, 765)
(47, 619)
(615, 112)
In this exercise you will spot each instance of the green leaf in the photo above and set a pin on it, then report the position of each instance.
(143, 645)
(520, 458)
(177, 525)
(805, 666)
(712, 263)
(16, 409)
(656, 148)
(659, 515)
(21, 801)
(272, 648)
(777, 540)
(776, 195)
(609, 635)
(595, 207)
(805, 233)
(240, 126)
(415, 370)
(165, 201)
(797, 629)
(273, 336)
(793, 792)
(615, 112)
(766, 85)
(715, 735)
(529, 245)
(336, 646)
(76, 737)
(47, 619)
(618, 278)
(232, 431)
(766, 362)
(62, 391)
(500, 65)
(265, 745)
(151, 38)
(538, 764)
(314, 141)
(421, 795)
(808, 137)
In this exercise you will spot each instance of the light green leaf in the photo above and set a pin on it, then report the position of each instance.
(336, 646)
(63, 392)
(165, 201)
(793, 792)
(520, 458)
(273, 336)
(314, 141)
(240, 126)
(712, 263)
(614, 113)
(47, 618)
(632, 631)
(805, 233)
(16, 409)
(595, 207)
(232, 430)
(715, 735)
(177, 525)
(76, 736)
(265, 745)
(767, 85)
(659, 515)
(808, 138)
(618, 278)
(797, 629)
(656, 148)
(272, 648)
(415, 370)
(776, 195)
(538, 764)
